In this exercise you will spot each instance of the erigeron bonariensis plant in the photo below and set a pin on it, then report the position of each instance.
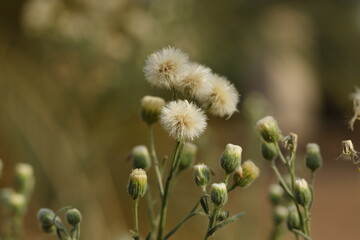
(196, 92)
(298, 194)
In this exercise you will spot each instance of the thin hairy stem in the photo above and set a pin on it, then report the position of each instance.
(154, 158)
(136, 219)
(212, 220)
(164, 202)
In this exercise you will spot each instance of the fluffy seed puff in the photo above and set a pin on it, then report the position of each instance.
(165, 67)
(195, 82)
(223, 98)
(183, 121)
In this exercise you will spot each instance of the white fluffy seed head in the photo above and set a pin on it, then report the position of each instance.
(165, 67)
(223, 98)
(195, 82)
(184, 121)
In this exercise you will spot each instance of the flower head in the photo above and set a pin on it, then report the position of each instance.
(151, 108)
(202, 175)
(223, 98)
(184, 121)
(165, 67)
(356, 105)
(349, 153)
(269, 129)
(303, 193)
(137, 183)
(195, 82)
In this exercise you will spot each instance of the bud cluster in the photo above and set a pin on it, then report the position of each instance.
(51, 222)
(14, 201)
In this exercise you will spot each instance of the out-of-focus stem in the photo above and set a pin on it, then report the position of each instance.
(164, 202)
(155, 159)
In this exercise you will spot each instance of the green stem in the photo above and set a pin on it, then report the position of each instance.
(226, 178)
(212, 221)
(312, 188)
(164, 202)
(150, 204)
(276, 232)
(291, 168)
(297, 232)
(136, 219)
(191, 214)
(307, 220)
(155, 159)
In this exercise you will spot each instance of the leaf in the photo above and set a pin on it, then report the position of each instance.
(148, 236)
(225, 222)
(204, 204)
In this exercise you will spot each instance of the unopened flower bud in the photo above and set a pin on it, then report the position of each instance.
(231, 158)
(218, 194)
(46, 217)
(151, 108)
(202, 175)
(140, 157)
(293, 220)
(188, 156)
(269, 129)
(302, 192)
(137, 183)
(246, 174)
(276, 194)
(268, 151)
(17, 203)
(24, 178)
(223, 215)
(280, 214)
(73, 217)
(313, 157)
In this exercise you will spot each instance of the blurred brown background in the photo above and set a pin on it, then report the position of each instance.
(71, 80)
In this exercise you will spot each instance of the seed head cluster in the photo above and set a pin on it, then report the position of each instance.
(184, 121)
(170, 68)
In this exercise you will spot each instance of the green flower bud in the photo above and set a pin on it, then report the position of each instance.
(46, 217)
(313, 157)
(280, 214)
(188, 155)
(218, 194)
(302, 192)
(49, 228)
(151, 108)
(17, 203)
(276, 194)
(268, 151)
(24, 178)
(293, 220)
(73, 217)
(231, 158)
(246, 174)
(223, 216)
(137, 183)
(202, 175)
(140, 157)
(269, 129)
